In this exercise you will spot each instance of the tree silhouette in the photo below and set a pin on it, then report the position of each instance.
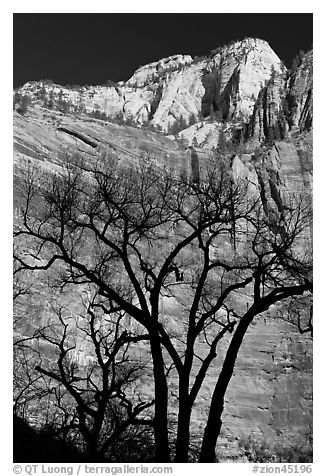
(76, 373)
(142, 236)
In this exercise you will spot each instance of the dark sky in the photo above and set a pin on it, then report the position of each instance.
(91, 48)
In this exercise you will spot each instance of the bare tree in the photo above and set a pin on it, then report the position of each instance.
(299, 313)
(28, 384)
(84, 375)
(144, 236)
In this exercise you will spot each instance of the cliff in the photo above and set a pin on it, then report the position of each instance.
(241, 101)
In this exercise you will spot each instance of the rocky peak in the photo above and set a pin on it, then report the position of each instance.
(242, 69)
(242, 48)
(227, 84)
(243, 82)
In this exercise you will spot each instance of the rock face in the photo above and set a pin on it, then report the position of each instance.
(282, 171)
(153, 71)
(275, 360)
(241, 93)
(268, 119)
(270, 395)
(300, 94)
(284, 104)
(45, 137)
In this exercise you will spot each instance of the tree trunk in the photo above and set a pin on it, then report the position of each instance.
(93, 456)
(214, 421)
(161, 403)
(183, 434)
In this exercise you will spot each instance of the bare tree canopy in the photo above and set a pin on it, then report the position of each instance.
(143, 237)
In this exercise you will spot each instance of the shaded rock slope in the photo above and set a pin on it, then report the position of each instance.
(241, 94)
